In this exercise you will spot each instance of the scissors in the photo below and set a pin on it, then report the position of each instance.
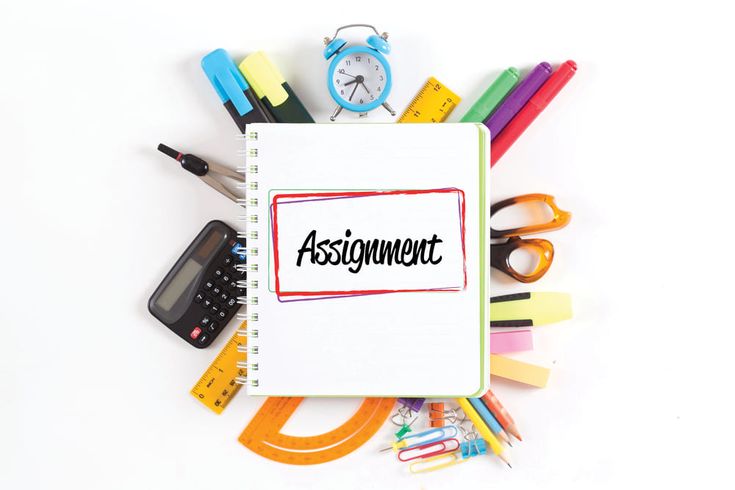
(203, 170)
(541, 249)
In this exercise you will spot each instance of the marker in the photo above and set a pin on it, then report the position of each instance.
(494, 95)
(489, 419)
(517, 99)
(530, 111)
(486, 434)
(272, 89)
(233, 90)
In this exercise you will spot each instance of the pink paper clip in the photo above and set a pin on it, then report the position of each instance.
(428, 450)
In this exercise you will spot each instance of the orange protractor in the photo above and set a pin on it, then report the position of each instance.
(263, 436)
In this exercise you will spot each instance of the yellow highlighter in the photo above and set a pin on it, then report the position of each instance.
(273, 90)
(529, 309)
(484, 430)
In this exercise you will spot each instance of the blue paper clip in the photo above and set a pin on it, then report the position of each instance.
(426, 437)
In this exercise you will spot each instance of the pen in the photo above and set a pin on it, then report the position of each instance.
(538, 103)
(501, 414)
(493, 95)
(273, 90)
(485, 432)
(517, 99)
(241, 103)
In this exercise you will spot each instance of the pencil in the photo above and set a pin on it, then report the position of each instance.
(501, 414)
(485, 432)
(489, 420)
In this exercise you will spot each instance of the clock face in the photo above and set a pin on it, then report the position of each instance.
(360, 78)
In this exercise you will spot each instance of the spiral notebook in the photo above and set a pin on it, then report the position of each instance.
(367, 258)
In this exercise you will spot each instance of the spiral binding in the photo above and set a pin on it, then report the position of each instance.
(250, 237)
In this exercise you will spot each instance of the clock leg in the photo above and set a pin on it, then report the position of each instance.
(335, 113)
(389, 109)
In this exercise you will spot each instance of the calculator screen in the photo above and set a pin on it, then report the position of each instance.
(178, 284)
(206, 248)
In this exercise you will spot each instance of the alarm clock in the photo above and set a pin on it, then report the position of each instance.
(359, 77)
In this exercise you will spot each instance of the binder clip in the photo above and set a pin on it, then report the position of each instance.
(414, 404)
(438, 416)
(475, 447)
(407, 418)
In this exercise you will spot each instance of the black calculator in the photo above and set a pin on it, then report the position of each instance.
(198, 296)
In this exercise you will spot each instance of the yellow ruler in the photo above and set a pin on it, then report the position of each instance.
(217, 385)
(433, 103)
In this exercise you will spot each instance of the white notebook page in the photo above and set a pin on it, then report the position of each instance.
(377, 317)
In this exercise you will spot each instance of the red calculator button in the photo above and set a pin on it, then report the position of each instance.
(195, 333)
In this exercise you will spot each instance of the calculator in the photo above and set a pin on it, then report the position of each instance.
(198, 296)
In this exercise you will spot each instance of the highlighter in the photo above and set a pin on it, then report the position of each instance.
(273, 90)
(526, 116)
(234, 92)
(494, 95)
(517, 99)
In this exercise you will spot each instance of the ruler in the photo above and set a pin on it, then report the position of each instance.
(433, 103)
(217, 385)
(263, 434)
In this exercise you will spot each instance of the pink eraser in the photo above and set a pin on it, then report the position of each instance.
(510, 341)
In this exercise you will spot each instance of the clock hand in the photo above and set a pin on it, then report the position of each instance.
(353, 92)
(343, 73)
(350, 83)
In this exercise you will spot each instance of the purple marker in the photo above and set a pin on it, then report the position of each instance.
(517, 99)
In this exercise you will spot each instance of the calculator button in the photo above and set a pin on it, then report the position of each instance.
(214, 309)
(199, 297)
(195, 333)
(218, 272)
(208, 285)
(231, 302)
(216, 290)
(222, 314)
(212, 327)
(228, 260)
(224, 297)
(206, 320)
(203, 338)
(226, 278)
(232, 285)
(207, 302)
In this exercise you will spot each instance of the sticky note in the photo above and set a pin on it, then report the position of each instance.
(520, 371)
(512, 341)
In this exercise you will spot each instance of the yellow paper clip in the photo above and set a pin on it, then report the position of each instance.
(436, 463)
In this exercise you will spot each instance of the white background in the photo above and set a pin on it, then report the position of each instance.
(638, 146)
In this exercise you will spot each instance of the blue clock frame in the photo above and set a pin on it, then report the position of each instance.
(360, 107)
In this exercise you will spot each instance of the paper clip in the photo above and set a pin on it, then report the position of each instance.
(476, 447)
(435, 463)
(426, 437)
(428, 450)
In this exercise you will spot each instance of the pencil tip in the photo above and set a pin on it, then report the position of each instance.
(509, 466)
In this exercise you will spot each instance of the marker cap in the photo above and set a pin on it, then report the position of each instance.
(265, 78)
(227, 80)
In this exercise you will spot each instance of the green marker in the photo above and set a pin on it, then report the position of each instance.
(493, 96)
